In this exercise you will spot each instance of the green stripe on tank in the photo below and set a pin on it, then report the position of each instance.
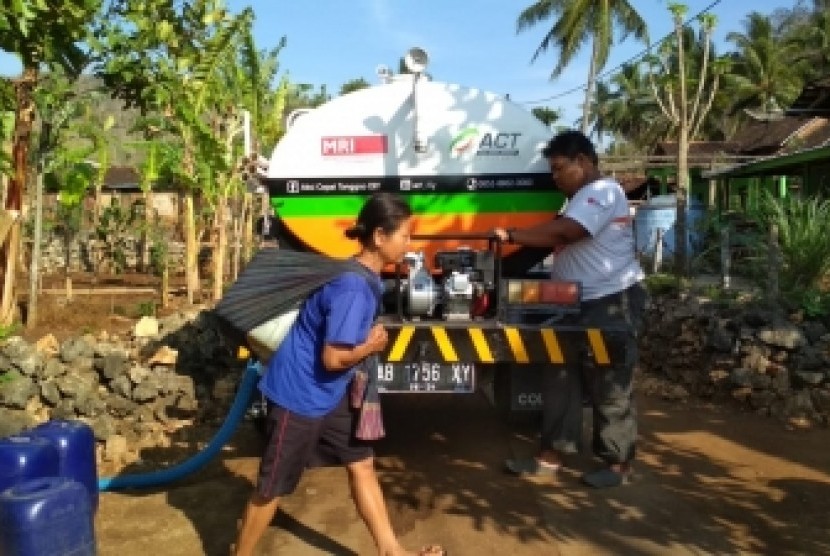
(425, 203)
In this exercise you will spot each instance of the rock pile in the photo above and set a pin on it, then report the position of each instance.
(175, 372)
(133, 392)
(777, 366)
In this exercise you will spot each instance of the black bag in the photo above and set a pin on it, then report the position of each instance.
(270, 291)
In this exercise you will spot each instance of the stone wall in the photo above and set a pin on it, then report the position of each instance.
(83, 253)
(134, 391)
(774, 365)
(175, 371)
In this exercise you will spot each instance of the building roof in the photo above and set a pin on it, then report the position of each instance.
(777, 165)
(814, 99)
(769, 136)
(121, 177)
(697, 149)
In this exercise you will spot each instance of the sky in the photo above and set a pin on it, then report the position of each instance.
(470, 42)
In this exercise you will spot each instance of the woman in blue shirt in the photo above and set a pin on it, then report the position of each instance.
(310, 421)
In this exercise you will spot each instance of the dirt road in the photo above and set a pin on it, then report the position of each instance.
(709, 481)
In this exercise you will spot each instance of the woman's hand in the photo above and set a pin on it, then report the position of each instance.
(339, 358)
(377, 339)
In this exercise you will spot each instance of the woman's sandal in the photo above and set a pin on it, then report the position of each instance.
(432, 550)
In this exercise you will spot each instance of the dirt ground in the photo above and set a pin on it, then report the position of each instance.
(709, 480)
(127, 298)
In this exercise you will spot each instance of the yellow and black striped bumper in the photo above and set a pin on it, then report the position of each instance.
(497, 344)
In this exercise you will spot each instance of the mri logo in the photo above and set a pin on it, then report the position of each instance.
(463, 142)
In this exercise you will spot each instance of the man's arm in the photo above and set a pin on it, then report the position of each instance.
(557, 232)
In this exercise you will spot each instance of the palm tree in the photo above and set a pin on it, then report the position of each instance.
(546, 115)
(576, 22)
(632, 112)
(603, 111)
(765, 77)
(811, 42)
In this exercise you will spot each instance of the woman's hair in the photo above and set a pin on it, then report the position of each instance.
(382, 210)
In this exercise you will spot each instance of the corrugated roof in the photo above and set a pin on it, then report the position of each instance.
(769, 136)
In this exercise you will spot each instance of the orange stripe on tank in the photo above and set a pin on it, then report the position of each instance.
(325, 233)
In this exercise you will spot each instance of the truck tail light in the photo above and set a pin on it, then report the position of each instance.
(548, 292)
(559, 293)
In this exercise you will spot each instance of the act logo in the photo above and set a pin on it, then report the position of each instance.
(463, 141)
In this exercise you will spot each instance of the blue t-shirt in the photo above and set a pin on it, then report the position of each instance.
(341, 312)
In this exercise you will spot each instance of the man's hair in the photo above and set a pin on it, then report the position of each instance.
(570, 144)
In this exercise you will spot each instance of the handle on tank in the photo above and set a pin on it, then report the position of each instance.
(237, 411)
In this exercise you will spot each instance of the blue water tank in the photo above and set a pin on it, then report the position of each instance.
(660, 213)
(23, 457)
(50, 516)
(75, 443)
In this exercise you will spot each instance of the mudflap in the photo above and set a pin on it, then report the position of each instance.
(517, 391)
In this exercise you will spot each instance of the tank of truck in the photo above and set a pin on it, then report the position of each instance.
(466, 160)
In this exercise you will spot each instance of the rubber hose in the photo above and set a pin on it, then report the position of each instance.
(235, 415)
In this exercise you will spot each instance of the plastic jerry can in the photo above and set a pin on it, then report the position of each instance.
(50, 516)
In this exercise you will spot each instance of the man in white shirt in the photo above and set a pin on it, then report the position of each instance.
(594, 244)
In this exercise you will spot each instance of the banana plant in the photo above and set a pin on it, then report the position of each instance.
(62, 154)
(160, 156)
(164, 56)
(43, 33)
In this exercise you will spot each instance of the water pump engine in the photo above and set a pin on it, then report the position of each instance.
(458, 288)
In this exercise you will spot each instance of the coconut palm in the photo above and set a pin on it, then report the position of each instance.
(765, 77)
(633, 114)
(577, 21)
(811, 42)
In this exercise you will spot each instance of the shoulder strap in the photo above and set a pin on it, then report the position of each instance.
(371, 279)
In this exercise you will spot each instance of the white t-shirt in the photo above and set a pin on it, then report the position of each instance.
(604, 262)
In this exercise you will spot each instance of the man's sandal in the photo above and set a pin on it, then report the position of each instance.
(607, 478)
(531, 467)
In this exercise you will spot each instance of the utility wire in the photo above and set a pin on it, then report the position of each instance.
(620, 65)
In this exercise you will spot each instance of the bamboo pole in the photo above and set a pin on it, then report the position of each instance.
(34, 268)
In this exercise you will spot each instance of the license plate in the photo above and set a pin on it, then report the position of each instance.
(426, 377)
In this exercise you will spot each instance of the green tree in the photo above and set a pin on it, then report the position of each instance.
(632, 114)
(353, 85)
(808, 42)
(577, 21)
(764, 77)
(546, 115)
(45, 33)
(167, 56)
(672, 73)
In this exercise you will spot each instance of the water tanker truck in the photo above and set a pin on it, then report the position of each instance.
(463, 310)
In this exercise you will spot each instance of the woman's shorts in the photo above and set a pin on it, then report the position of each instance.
(296, 442)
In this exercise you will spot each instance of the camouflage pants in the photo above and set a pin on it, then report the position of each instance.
(607, 388)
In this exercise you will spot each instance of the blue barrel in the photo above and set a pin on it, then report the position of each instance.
(23, 457)
(75, 443)
(660, 213)
(50, 516)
